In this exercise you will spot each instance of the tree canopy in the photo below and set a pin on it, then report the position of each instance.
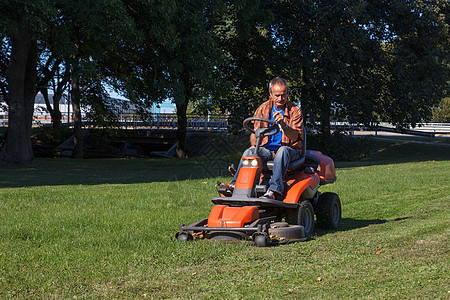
(360, 61)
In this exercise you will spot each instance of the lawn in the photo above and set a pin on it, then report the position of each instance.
(105, 229)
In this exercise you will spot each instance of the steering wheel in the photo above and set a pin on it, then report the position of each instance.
(267, 131)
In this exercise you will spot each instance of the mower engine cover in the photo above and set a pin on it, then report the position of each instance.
(227, 216)
(326, 167)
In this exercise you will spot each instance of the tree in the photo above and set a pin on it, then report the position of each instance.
(244, 35)
(22, 22)
(363, 60)
(83, 35)
(178, 55)
(417, 55)
(325, 50)
(4, 59)
(50, 77)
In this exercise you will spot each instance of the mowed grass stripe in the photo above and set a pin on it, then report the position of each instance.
(117, 240)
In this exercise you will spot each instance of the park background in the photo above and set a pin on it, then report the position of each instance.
(104, 228)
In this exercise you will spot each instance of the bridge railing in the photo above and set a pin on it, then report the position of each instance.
(169, 121)
(424, 129)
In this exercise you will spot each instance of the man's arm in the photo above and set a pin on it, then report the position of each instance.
(291, 133)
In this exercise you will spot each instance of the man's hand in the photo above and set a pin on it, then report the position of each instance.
(279, 118)
(288, 131)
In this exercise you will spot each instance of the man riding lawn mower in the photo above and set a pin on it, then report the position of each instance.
(277, 178)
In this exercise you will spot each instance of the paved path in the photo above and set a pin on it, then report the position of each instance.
(411, 141)
(391, 136)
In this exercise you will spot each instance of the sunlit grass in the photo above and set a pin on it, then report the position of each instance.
(106, 230)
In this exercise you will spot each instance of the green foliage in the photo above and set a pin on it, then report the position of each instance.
(329, 57)
(104, 140)
(4, 59)
(242, 104)
(34, 15)
(101, 110)
(441, 114)
(45, 139)
(174, 53)
(417, 71)
(244, 34)
(359, 61)
(51, 136)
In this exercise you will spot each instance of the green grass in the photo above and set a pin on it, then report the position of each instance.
(105, 229)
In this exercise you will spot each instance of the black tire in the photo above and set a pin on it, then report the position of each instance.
(260, 240)
(329, 211)
(184, 237)
(304, 216)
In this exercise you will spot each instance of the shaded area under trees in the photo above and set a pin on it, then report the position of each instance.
(360, 61)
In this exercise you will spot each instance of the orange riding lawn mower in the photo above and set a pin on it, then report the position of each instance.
(241, 215)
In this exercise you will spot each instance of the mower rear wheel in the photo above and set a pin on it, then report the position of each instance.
(329, 211)
(304, 216)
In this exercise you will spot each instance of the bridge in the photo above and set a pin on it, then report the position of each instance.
(169, 121)
(219, 123)
(424, 129)
(158, 136)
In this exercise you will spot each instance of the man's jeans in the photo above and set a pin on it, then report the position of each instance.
(283, 157)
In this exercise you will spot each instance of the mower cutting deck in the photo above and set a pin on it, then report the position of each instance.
(242, 215)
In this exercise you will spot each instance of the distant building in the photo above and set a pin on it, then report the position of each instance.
(165, 107)
(41, 114)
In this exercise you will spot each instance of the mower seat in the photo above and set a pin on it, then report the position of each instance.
(292, 166)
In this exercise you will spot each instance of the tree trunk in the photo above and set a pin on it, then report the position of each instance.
(54, 111)
(56, 114)
(77, 128)
(182, 127)
(21, 76)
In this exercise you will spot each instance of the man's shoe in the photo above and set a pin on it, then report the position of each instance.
(271, 195)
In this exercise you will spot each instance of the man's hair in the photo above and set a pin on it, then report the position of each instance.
(280, 81)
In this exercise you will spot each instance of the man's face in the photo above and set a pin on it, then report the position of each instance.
(279, 95)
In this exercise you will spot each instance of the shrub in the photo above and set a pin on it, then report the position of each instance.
(340, 146)
(46, 138)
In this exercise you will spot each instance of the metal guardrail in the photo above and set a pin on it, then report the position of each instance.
(191, 125)
(406, 131)
(425, 129)
(169, 121)
(220, 123)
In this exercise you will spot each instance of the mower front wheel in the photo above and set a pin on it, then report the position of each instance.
(329, 211)
(304, 216)
(184, 236)
(261, 240)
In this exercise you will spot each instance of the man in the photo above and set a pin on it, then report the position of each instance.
(283, 147)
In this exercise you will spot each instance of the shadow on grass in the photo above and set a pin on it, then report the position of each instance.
(395, 152)
(212, 161)
(50, 172)
(348, 224)
(212, 158)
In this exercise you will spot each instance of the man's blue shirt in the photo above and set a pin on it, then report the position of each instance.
(274, 140)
